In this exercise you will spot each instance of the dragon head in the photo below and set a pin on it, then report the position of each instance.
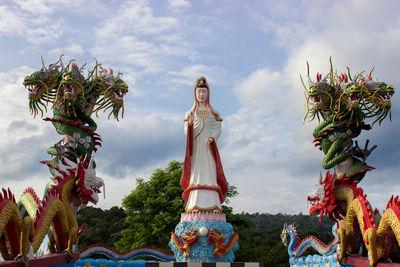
(352, 95)
(384, 94)
(71, 83)
(285, 235)
(317, 93)
(332, 196)
(319, 97)
(378, 95)
(348, 106)
(70, 94)
(322, 199)
(118, 91)
(350, 91)
(113, 95)
(40, 85)
(87, 184)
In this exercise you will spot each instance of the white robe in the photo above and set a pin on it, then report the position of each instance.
(203, 169)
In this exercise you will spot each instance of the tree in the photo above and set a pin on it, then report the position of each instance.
(153, 209)
(102, 226)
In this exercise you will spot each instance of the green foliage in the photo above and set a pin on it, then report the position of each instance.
(153, 209)
(260, 241)
(102, 226)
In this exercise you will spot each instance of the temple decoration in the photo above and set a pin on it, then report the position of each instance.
(74, 98)
(297, 248)
(344, 102)
(203, 233)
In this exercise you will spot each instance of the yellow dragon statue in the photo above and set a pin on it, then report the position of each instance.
(359, 224)
(20, 236)
(344, 104)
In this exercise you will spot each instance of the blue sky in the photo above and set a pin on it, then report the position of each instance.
(251, 53)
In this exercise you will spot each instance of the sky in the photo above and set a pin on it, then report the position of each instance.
(251, 52)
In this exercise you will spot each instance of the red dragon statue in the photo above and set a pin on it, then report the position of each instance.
(55, 214)
(358, 224)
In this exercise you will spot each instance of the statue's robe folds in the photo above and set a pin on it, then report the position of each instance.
(203, 179)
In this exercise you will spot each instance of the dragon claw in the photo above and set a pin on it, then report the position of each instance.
(70, 254)
(364, 153)
(24, 260)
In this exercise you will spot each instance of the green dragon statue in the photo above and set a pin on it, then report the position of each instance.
(74, 99)
(343, 103)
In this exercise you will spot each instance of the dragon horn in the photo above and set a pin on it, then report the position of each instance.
(44, 66)
(69, 63)
(330, 70)
(302, 82)
(85, 161)
(320, 178)
(90, 162)
(358, 75)
(82, 67)
(348, 71)
(61, 62)
(371, 70)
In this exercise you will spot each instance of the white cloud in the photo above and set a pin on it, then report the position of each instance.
(40, 7)
(135, 36)
(34, 29)
(129, 49)
(280, 158)
(137, 142)
(72, 49)
(135, 17)
(266, 151)
(23, 139)
(263, 87)
(179, 4)
(10, 22)
(186, 77)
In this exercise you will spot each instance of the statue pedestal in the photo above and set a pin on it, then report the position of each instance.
(204, 237)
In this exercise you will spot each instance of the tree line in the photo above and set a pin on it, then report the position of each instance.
(152, 210)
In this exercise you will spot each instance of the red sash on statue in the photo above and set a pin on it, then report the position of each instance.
(185, 178)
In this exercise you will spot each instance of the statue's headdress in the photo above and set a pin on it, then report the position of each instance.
(201, 82)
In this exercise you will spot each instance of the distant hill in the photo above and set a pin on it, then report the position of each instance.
(259, 233)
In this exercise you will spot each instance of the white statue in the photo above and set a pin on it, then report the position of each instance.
(203, 179)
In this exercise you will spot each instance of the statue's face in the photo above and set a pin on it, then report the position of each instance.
(201, 94)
